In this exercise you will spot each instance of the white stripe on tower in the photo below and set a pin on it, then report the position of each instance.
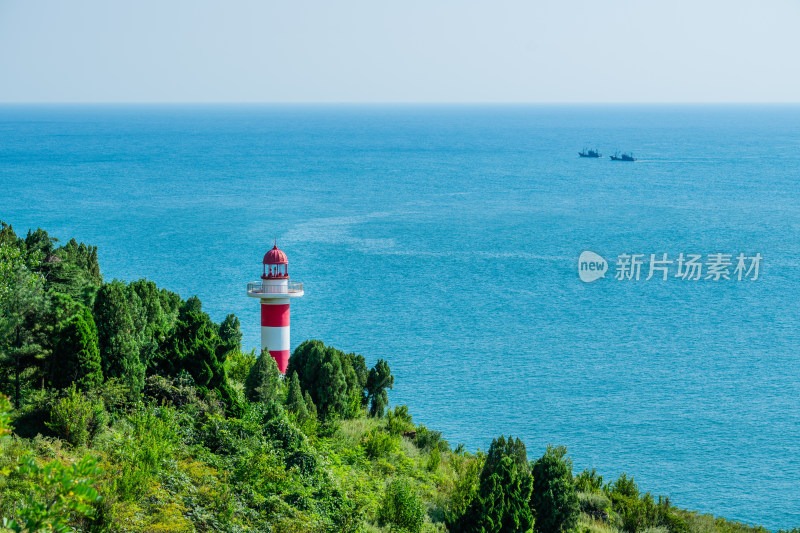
(275, 330)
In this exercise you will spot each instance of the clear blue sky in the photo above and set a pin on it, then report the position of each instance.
(392, 51)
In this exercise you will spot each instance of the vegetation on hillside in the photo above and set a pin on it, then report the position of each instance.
(124, 407)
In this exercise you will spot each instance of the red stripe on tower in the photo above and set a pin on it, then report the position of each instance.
(275, 316)
(281, 358)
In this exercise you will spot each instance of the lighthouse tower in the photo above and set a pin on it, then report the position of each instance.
(275, 291)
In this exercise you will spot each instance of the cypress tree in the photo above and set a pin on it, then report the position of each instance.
(120, 321)
(263, 382)
(295, 402)
(379, 379)
(332, 389)
(230, 332)
(502, 503)
(554, 501)
(310, 407)
(76, 357)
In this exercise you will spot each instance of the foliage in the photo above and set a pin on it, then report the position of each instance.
(60, 493)
(594, 504)
(428, 439)
(401, 507)
(589, 481)
(504, 490)
(553, 500)
(121, 324)
(335, 380)
(76, 418)
(379, 379)
(76, 357)
(295, 402)
(379, 444)
(194, 346)
(264, 383)
(239, 363)
(231, 333)
(637, 511)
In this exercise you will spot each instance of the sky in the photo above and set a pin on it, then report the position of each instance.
(451, 51)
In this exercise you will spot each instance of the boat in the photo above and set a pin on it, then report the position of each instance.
(590, 153)
(623, 157)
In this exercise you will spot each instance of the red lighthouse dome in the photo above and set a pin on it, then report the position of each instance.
(272, 264)
(275, 257)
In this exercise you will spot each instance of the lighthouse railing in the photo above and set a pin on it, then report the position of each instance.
(259, 287)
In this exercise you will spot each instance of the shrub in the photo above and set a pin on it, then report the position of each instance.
(67, 489)
(427, 439)
(379, 444)
(589, 481)
(401, 507)
(77, 419)
(433, 460)
(595, 504)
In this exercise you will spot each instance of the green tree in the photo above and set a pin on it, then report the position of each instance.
(76, 357)
(230, 332)
(332, 398)
(504, 490)
(120, 320)
(554, 501)
(22, 304)
(379, 379)
(195, 346)
(294, 401)
(311, 409)
(264, 383)
(323, 371)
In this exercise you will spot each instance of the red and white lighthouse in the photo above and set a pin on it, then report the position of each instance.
(275, 292)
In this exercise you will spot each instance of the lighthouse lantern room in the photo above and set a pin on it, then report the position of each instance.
(275, 291)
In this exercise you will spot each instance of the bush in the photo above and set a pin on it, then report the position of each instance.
(427, 440)
(595, 504)
(379, 444)
(399, 421)
(433, 460)
(401, 507)
(589, 481)
(77, 419)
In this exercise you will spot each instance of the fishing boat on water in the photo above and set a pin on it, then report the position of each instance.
(590, 153)
(623, 157)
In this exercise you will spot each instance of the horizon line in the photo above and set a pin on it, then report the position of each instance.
(388, 102)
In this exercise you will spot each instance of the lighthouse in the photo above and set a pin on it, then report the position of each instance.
(275, 291)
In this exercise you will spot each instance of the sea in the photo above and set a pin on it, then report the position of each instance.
(446, 239)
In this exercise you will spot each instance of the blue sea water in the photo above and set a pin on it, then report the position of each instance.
(445, 240)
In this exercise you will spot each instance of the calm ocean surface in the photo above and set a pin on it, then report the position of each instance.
(445, 240)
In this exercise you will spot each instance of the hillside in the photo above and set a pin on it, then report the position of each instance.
(126, 408)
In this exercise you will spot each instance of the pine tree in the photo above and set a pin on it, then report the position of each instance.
(121, 321)
(263, 383)
(310, 407)
(502, 503)
(195, 346)
(230, 332)
(294, 401)
(332, 390)
(76, 357)
(379, 379)
(554, 501)
(22, 304)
